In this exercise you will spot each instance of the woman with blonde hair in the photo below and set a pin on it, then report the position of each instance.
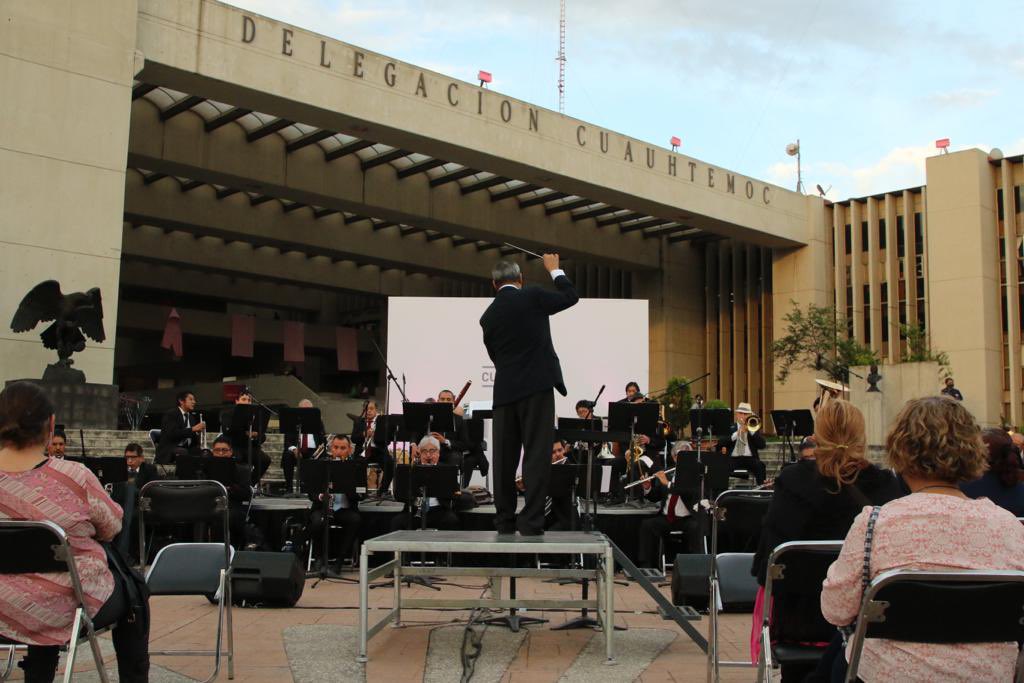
(935, 445)
(817, 499)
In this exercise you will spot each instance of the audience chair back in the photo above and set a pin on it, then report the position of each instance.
(183, 502)
(792, 599)
(41, 547)
(737, 518)
(969, 606)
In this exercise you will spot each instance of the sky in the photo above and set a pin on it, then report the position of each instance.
(866, 86)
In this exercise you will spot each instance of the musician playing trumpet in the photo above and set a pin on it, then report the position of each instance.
(745, 441)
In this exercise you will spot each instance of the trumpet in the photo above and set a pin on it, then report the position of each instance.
(753, 423)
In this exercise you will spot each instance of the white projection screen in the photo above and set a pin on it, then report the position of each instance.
(437, 343)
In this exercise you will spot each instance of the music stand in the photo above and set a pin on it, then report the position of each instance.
(320, 480)
(109, 469)
(300, 422)
(429, 481)
(792, 423)
(635, 418)
(246, 418)
(714, 421)
(424, 418)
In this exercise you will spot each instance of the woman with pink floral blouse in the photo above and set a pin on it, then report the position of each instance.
(935, 445)
(38, 609)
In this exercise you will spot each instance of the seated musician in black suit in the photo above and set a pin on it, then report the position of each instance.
(457, 448)
(240, 440)
(675, 513)
(561, 512)
(441, 514)
(295, 451)
(126, 495)
(239, 494)
(179, 430)
(744, 443)
(363, 431)
(344, 508)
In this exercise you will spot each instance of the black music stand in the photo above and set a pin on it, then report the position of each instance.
(109, 469)
(300, 422)
(246, 418)
(429, 481)
(424, 418)
(320, 480)
(589, 432)
(792, 423)
(390, 430)
(713, 421)
(637, 419)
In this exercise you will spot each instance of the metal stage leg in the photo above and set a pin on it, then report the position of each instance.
(398, 588)
(364, 603)
(609, 607)
(512, 620)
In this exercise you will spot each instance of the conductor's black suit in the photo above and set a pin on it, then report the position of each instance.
(517, 334)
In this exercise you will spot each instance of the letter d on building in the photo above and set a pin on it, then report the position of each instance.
(248, 29)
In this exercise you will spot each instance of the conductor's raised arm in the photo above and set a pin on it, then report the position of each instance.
(565, 297)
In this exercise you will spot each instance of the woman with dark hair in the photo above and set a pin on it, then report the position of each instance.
(1001, 484)
(817, 499)
(38, 609)
(935, 445)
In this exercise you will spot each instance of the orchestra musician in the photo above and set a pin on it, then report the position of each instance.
(239, 493)
(344, 507)
(240, 440)
(441, 514)
(363, 432)
(295, 451)
(469, 456)
(179, 430)
(746, 444)
(560, 511)
(675, 513)
(57, 446)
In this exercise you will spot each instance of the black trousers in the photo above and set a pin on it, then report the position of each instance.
(562, 516)
(654, 529)
(527, 425)
(288, 466)
(473, 461)
(130, 644)
(348, 520)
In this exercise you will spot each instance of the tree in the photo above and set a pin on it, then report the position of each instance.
(813, 341)
(677, 401)
(920, 351)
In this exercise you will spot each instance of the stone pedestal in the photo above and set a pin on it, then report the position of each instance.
(82, 406)
(872, 404)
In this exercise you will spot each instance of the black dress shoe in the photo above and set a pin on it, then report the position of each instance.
(531, 532)
(508, 530)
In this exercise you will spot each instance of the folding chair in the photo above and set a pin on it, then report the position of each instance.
(42, 548)
(792, 605)
(968, 606)
(192, 568)
(737, 517)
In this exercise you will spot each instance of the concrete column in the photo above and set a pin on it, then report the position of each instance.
(839, 257)
(856, 272)
(753, 331)
(874, 278)
(676, 316)
(739, 323)
(800, 276)
(725, 330)
(961, 251)
(765, 327)
(711, 319)
(66, 72)
(1012, 289)
(894, 350)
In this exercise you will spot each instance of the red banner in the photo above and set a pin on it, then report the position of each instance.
(294, 342)
(172, 334)
(347, 339)
(243, 334)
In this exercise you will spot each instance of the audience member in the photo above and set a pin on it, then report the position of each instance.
(936, 445)
(38, 609)
(1001, 484)
(818, 499)
(58, 446)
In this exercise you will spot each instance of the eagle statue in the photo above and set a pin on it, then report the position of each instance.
(72, 315)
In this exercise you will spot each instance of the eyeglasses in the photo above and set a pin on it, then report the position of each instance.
(429, 450)
(224, 451)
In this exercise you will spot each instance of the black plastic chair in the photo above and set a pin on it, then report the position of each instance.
(41, 547)
(792, 604)
(737, 518)
(969, 606)
(192, 568)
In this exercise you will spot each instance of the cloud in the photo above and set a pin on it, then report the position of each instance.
(960, 99)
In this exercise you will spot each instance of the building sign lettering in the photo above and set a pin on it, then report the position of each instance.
(621, 147)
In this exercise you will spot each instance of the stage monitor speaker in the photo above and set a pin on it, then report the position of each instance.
(691, 575)
(271, 579)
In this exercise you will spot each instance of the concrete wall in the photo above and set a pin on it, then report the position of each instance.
(900, 383)
(66, 70)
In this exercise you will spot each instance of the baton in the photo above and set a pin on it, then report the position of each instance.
(525, 251)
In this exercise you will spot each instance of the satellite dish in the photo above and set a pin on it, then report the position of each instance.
(792, 149)
(822, 191)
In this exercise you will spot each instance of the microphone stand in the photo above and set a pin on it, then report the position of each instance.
(248, 437)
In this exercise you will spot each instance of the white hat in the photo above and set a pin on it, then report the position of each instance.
(744, 408)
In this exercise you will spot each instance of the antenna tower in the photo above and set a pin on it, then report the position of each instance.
(561, 58)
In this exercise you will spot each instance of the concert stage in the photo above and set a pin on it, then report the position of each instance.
(401, 543)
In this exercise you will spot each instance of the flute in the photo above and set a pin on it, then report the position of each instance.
(653, 476)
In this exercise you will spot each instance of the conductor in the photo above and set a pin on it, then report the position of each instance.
(517, 334)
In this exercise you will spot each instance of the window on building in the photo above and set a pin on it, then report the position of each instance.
(1016, 198)
(849, 241)
(867, 313)
(999, 203)
(881, 233)
(901, 241)
(864, 236)
(884, 301)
